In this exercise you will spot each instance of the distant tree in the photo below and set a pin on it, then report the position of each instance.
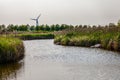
(16, 27)
(71, 26)
(80, 26)
(89, 26)
(99, 26)
(2, 27)
(28, 27)
(32, 28)
(94, 26)
(23, 28)
(47, 28)
(76, 26)
(112, 25)
(85, 26)
(66, 26)
(106, 26)
(10, 27)
(57, 27)
(62, 27)
(37, 28)
(41, 27)
(118, 23)
(52, 28)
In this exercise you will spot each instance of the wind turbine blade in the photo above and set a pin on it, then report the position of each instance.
(38, 16)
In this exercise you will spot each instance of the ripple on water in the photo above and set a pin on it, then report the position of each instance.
(50, 52)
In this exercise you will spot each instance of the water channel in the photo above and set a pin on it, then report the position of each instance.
(47, 61)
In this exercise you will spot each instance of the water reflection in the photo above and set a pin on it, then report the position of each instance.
(10, 71)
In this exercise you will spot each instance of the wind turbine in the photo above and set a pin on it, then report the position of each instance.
(36, 20)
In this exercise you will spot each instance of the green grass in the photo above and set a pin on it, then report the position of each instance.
(11, 50)
(32, 36)
(109, 38)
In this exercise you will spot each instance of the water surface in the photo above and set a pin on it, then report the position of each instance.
(46, 61)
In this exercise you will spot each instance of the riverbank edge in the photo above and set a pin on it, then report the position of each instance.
(97, 45)
(11, 50)
(9, 56)
(35, 36)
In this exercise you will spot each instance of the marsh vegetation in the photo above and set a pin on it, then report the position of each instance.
(11, 50)
(86, 36)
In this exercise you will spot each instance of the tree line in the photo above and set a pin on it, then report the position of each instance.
(27, 27)
(45, 27)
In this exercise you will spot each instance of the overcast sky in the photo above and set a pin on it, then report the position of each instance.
(73, 12)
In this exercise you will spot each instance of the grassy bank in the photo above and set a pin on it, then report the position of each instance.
(30, 35)
(33, 36)
(11, 50)
(107, 37)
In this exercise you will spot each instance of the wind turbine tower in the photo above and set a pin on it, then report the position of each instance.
(36, 20)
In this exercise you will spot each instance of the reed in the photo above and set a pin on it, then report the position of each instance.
(108, 37)
(11, 50)
(32, 36)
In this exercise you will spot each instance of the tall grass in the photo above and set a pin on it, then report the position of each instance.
(108, 37)
(32, 36)
(11, 50)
